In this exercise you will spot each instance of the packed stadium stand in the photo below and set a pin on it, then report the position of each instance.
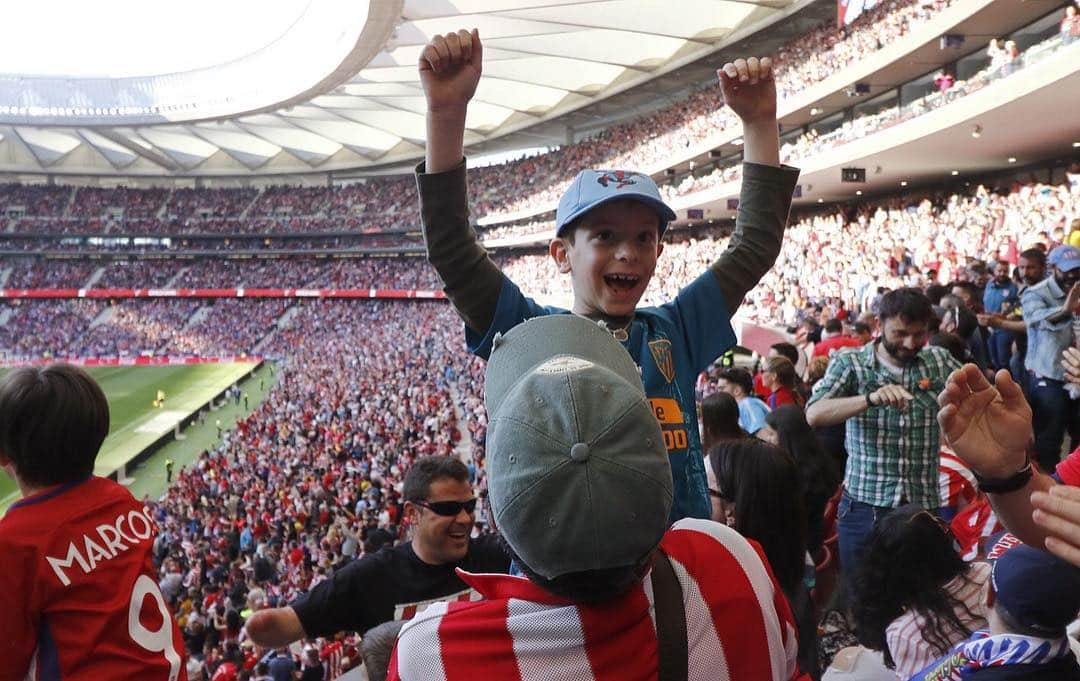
(936, 139)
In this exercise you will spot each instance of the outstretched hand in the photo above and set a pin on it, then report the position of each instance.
(1058, 512)
(988, 427)
(450, 67)
(749, 89)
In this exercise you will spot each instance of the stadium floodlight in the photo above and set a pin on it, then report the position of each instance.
(1012, 159)
(956, 172)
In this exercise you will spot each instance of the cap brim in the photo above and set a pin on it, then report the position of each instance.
(663, 211)
(1068, 265)
(539, 339)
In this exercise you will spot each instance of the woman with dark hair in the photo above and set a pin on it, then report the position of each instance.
(819, 476)
(758, 485)
(719, 424)
(914, 596)
(778, 375)
(720, 420)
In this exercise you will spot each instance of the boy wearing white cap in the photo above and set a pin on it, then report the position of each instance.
(609, 226)
(580, 490)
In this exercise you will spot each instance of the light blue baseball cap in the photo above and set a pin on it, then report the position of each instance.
(1066, 258)
(592, 188)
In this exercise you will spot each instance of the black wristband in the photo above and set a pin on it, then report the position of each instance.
(1012, 483)
(869, 403)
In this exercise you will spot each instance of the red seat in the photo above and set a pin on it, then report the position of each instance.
(831, 507)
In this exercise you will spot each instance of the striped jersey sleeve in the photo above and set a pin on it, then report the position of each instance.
(739, 626)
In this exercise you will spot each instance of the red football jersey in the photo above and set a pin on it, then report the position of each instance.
(79, 597)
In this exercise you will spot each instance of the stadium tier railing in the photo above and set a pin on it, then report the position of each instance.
(923, 117)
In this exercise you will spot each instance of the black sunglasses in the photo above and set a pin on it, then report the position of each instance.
(449, 508)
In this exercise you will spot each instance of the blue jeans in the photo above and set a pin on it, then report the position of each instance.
(1000, 348)
(1019, 372)
(1053, 414)
(855, 520)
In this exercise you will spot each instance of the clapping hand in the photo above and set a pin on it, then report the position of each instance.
(1058, 512)
(1070, 361)
(988, 427)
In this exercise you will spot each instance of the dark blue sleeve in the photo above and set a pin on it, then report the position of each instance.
(512, 309)
(700, 312)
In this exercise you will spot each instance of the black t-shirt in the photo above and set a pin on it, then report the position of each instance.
(393, 584)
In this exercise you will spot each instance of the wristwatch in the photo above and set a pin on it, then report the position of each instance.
(1005, 485)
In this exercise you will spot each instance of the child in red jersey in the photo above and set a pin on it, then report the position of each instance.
(80, 599)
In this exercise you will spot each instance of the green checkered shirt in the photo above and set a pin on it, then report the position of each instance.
(893, 455)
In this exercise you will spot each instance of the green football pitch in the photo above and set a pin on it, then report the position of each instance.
(135, 423)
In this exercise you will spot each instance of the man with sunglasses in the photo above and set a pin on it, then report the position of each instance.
(396, 583)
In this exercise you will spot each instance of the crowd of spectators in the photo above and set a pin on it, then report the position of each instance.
(133, 328)
(33, 273)
(92, 202)
(525, 184)
(244, 529)
(208, 202)
(312, 479)
(843, 256)
(230, 326)
(42, 200)
(211, 272)
(44, 328)
(1001, 62)
(156, 273)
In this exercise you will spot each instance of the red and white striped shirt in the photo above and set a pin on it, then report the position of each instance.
(956, 480)
(738, 623)
(331, 656)
(910, 651)
(973, 525)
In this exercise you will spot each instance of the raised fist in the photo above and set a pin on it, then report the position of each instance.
(450, 67)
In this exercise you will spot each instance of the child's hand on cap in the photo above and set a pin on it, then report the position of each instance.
(748, 87)
(450, 67)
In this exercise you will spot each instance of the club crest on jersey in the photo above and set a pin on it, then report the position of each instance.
(661, 353)
(620, 178)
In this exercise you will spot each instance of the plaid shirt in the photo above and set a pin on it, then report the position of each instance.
(892, 454)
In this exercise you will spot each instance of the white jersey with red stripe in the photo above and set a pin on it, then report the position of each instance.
(739, 626)
(80, 598)
(957, 482)
(973, 525)
(332, 655)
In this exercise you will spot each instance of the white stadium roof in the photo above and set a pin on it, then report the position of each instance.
(316, 85)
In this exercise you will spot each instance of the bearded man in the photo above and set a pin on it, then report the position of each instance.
(886, 391)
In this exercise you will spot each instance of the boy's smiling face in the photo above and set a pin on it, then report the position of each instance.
(610, 256)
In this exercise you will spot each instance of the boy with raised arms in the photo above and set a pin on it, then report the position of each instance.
(608, 236)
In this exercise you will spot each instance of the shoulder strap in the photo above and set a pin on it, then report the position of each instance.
(671, 642)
